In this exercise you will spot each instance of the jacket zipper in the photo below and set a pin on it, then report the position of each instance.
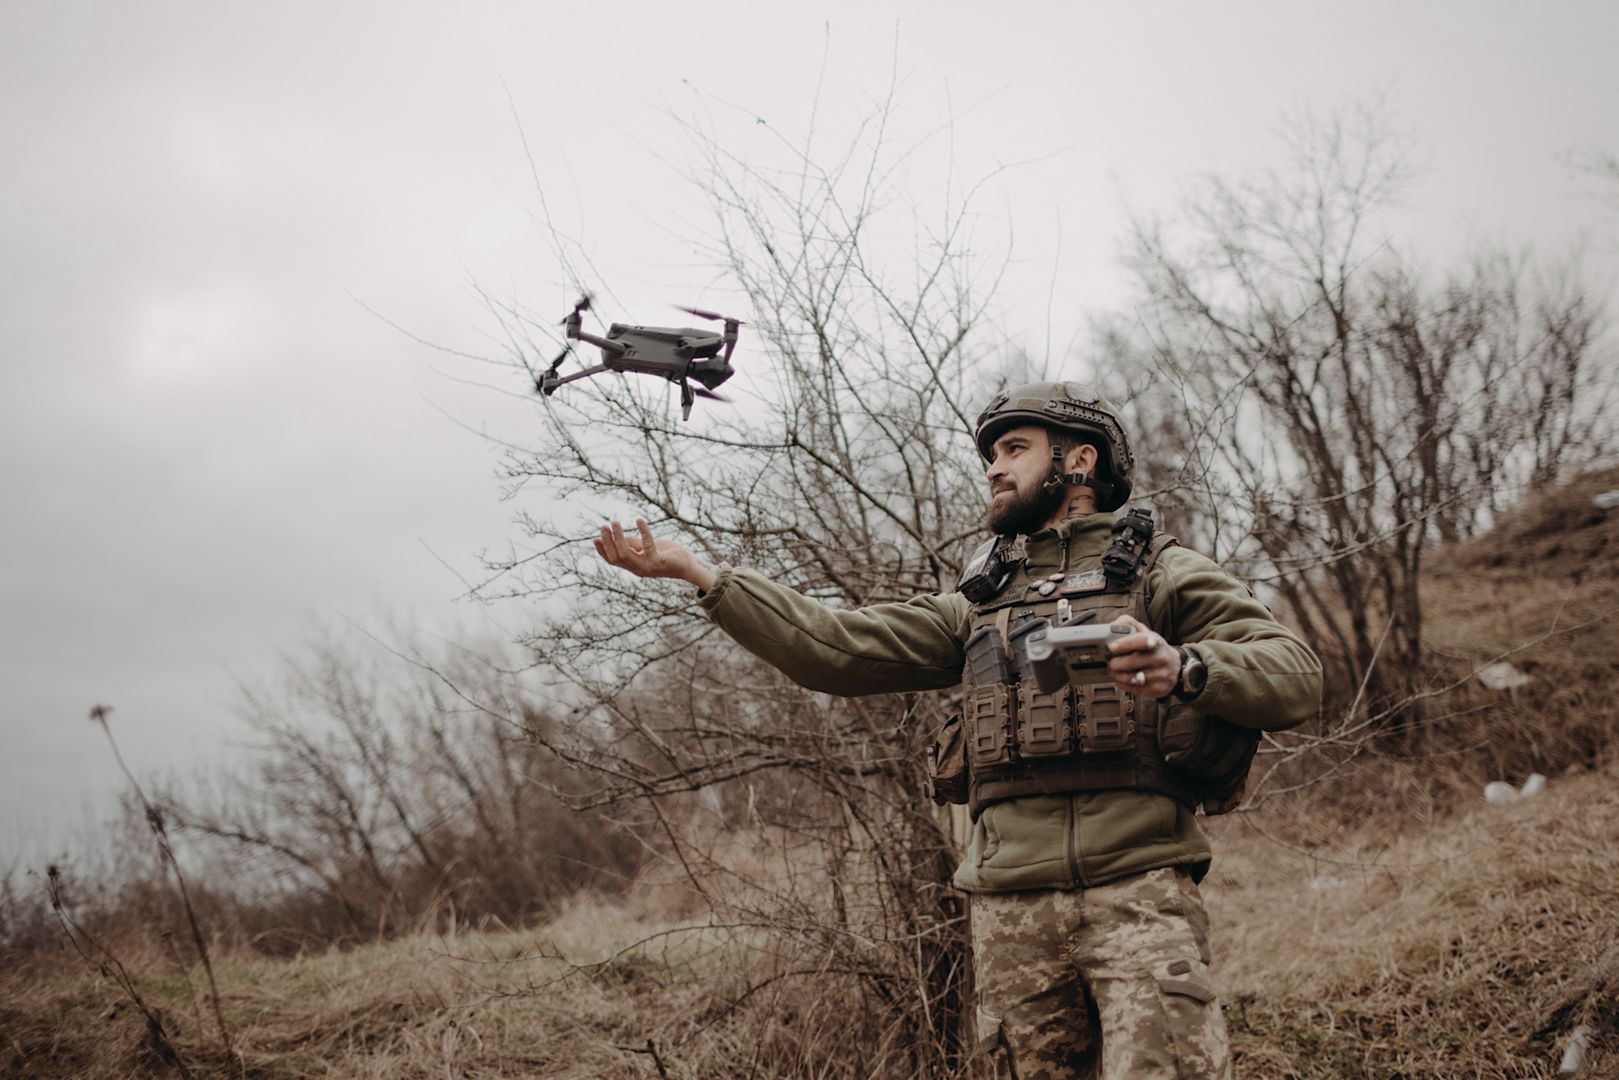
(1072, 828)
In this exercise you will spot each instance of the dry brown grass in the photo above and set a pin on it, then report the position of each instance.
(562, 1001)
(1462, 947)
(1470, 946)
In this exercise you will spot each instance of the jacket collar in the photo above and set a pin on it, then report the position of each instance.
(1076, 538)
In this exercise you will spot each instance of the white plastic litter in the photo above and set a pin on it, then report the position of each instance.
(1574, 1054)
(1499, 793)
(1324, 882)
(1607, 500)
(1502, 676)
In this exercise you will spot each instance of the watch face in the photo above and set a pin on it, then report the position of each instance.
(1192, 676)
(1196, 675)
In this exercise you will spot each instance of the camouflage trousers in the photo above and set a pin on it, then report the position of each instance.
(1108, 982)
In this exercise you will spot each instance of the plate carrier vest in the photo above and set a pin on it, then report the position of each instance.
(1012, 740)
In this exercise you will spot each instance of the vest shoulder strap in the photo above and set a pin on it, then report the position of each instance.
(1142, 586)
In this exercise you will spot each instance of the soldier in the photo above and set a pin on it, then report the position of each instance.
(1090, 940)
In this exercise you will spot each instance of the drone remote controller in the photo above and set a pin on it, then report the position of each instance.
(1054, 651)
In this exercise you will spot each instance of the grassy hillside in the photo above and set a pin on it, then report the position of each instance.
(1468, 947)
(1433, 936)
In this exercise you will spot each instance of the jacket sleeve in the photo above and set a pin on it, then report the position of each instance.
(883, 648)
(1261, 674)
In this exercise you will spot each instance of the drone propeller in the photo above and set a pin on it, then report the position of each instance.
(548, 383)
(714, 315)
(585, 300)
(689, 395)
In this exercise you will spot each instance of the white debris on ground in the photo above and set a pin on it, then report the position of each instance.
(1607, 500)
(1499, 792)
(1501, 676)
(1323, 882)
(1574, 1054)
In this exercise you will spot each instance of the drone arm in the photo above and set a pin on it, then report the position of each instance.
(575, 377)
(607, 345)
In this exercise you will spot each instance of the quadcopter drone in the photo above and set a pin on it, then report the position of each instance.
(680, 354)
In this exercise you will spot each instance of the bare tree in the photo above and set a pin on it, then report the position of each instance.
(853, 480)
(1337, 410)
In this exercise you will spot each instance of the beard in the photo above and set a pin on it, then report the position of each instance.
(1021, 512)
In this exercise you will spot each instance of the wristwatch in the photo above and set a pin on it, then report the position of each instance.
(1192, 677)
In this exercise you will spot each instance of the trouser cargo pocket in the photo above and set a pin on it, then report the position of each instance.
(1189, 999)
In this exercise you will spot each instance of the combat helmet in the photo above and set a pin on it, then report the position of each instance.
(1067, 407)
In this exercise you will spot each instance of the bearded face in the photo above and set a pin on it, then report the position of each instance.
(1020, 505)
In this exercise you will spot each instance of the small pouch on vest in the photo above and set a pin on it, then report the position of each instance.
(1106, 718)
(989, 714)
(1045, 722)
(947, 762)
(1213, 753)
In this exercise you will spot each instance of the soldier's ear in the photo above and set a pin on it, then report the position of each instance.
(1081, 458)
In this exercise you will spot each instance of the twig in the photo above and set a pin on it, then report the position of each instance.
(111, 966)
(154, 818)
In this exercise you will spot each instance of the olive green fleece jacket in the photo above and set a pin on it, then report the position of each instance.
(1260, 674)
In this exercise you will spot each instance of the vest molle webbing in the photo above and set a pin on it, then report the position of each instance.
(1087, 736)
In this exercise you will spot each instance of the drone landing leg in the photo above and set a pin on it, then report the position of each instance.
(687, 399)
(574, 377)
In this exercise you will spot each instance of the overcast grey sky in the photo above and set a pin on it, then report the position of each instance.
(212, 446)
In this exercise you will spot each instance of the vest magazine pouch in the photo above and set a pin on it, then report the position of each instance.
(1106, 717)
(989, 720)
(989, 701)
(986, 658)
(947, 762)
(1045, 725)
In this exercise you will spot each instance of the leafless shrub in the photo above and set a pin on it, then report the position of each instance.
(378, 800)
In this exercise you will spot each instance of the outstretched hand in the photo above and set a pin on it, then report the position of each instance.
(648, 557)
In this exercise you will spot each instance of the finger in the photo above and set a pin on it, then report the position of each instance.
(1129, 663)
(623, 542)
(1141, 642)
(648, 545)
(1144, 683)
(605, 545)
